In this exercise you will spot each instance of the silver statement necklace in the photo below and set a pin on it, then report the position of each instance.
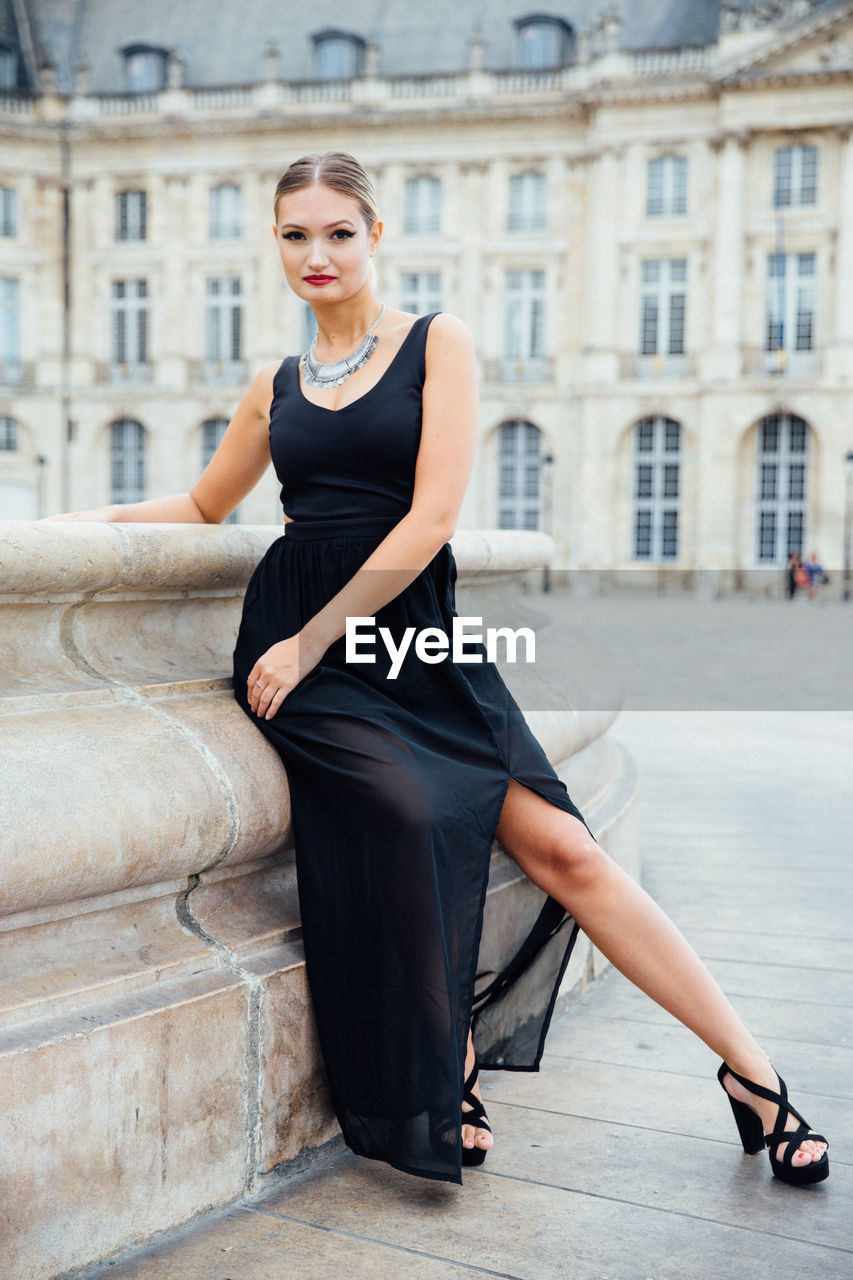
(317, 374)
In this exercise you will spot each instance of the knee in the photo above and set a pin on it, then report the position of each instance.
(574, 857)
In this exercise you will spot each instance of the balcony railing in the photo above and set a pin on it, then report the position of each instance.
(217, 373)
(533, 369)
(782, 363)
(656, 367)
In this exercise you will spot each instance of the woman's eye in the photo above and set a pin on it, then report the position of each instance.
(341, 231)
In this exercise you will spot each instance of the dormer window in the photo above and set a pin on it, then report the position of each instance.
(543, 41)
(145, 68)
(8, 67)
(337, 55)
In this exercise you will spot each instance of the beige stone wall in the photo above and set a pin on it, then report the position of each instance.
(157, 1048)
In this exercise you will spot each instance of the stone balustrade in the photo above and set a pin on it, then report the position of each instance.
(157, 1047)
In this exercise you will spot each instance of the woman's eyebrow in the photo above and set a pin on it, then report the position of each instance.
(297, 227)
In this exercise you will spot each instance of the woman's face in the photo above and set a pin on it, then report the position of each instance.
(322, 233)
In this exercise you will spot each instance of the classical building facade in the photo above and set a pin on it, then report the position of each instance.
(644, 212)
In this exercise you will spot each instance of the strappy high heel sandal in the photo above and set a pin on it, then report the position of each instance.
(754, 1139)
(476, 1116)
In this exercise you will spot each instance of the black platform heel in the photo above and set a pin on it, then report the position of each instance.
(476, 1116)
(753, 1137)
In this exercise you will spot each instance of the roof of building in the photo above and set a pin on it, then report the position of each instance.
(224, 44)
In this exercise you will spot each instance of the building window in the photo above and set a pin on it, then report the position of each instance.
(519, 470)
(528, 202)
(10, 328)
(337, 55)
(524, 328)
(422, 207)
(130, 324)
(656, 467)
(790, 308)
(226, 218)
(8, 67)
(224, 320)
(128, 461)
(420, 291)
(131, 211)
(781, 482)
(212, 432)
(666, 187)
(8, 211)
(145, 68)
(794, 176)
(8, 434)
(543, 42)
(662, 303)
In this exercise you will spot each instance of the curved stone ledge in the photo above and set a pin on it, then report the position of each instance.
(155, 1025)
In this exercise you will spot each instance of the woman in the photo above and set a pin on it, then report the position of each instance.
(400, 784)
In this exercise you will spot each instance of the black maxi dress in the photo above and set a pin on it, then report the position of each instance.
(396, 788)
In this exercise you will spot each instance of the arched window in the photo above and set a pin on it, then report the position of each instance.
(519, 467)
(794, 175)
(656, 488)
(338, 55)
(528, 202)
(666, 187)
(128, 460)
(8, 434)
(212, 432)
(422, 206)
(781, 483)
(543, 41)
(145, 67)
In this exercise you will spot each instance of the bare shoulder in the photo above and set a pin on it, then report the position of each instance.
(448, 337)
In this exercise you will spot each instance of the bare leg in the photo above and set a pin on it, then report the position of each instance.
(558, 854)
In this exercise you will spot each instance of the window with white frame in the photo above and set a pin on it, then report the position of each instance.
(10, 326)
(8, 434)
(338, 55)
(528, 202)
(212, 432)
(145, 68)
(130, 323)
(224, 320)
(127, 460)
(790, 306)
(8, 67)
(131, 209)
(794, 176)
(226, 216)
(420, 291)
(663, 299)
(782, 441)
(8, 212)
(666, 187)
(542, 42)
(519, 475)
(656, 484)
(524, 316)
(422, 206)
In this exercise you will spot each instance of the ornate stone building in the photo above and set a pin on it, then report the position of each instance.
(643, 211)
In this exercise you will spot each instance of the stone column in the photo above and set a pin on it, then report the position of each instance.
(839, 355)
(602, 278)
(723, 359)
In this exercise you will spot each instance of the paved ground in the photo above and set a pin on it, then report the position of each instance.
(620, 1160)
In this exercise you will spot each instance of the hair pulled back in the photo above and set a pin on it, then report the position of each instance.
(336, 169)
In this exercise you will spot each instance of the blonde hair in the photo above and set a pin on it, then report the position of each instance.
(338, 170)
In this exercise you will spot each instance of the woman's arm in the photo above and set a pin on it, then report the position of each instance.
(236, 467)
(445, 459)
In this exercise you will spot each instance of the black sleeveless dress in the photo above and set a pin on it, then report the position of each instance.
(396, 788)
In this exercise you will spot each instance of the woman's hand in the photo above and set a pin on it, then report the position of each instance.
(278, 671)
